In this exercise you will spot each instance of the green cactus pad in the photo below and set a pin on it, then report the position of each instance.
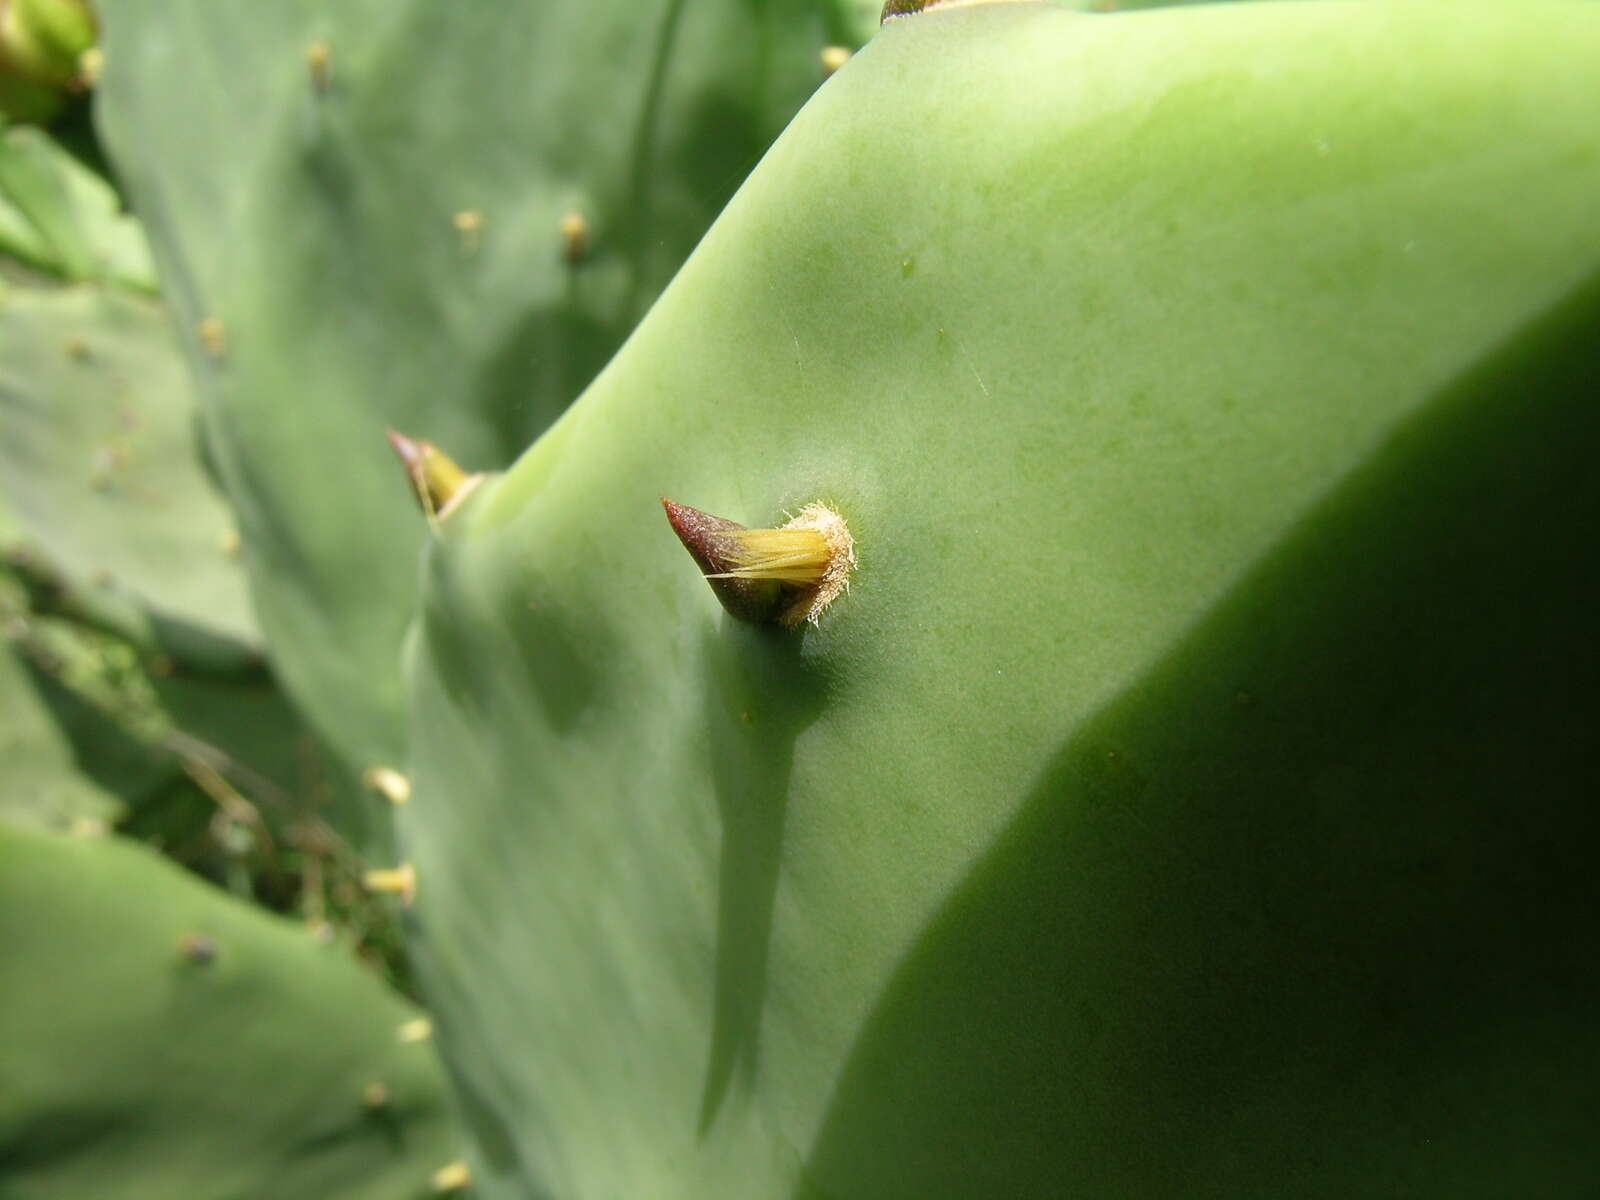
(1193, 795)
(99, 462)
(369, 198)
(163, 1040)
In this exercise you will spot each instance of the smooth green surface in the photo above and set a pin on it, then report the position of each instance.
(1193, 795)
(128, 1072)
(99, 462)
(317, 223)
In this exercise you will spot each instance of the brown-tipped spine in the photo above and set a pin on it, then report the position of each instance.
(790, 574)
(438, 482)
(705, 538)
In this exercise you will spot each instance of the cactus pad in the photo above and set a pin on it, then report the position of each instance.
(1193, 793)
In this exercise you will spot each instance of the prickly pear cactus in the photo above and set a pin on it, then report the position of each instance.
(163, 1040)
(441, 219)
(1192, 794)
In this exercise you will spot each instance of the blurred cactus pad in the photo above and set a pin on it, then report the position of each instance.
(162, 1041)
(1189, 790)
